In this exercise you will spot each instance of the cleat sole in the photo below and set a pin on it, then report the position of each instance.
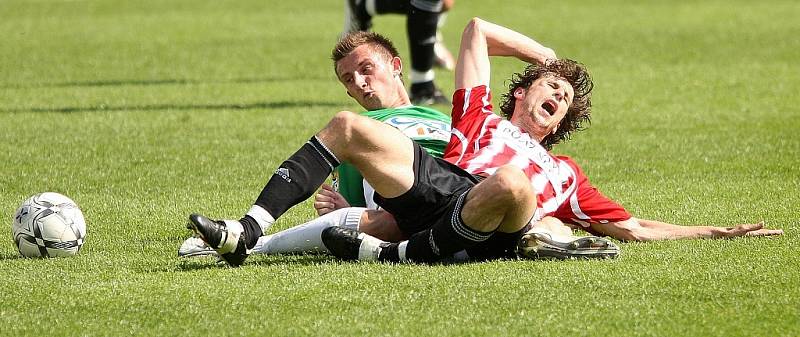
(541, 246)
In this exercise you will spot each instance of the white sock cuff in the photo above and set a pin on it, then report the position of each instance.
(262, 217)
(231, 240)
(427, 5)
(421, 77)
(353, 217)
(369, 248)
(370, 7)
(401, 251)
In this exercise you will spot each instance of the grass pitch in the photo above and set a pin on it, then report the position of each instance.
(146, 111)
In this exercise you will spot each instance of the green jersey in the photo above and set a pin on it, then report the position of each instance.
(428, 127)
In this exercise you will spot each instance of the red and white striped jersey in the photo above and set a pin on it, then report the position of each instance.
(482, 142)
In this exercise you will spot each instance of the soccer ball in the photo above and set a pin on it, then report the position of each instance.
(48, 225)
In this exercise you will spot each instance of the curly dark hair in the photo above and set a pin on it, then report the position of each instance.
(579, 112)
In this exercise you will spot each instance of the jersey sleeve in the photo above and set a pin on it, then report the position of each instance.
(587, 205)
(471, 107)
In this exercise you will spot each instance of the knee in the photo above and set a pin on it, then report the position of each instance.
(343, 123)
(350, 125)
(511, 184)
(343, 130)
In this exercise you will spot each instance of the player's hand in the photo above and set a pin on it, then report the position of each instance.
(751, 230)
(327, 200)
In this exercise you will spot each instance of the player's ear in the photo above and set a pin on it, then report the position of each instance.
(397, 66)
(519, 93)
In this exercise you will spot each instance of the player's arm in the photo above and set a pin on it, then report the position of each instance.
(482, 39)
(635, 229)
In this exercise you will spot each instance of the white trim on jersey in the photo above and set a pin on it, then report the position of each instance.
(562, 196)
(463, 141)
(484, 129)
(576, 207)
(486, 102)
(465, 105)
(539, 182)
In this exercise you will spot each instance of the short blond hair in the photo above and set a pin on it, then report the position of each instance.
(353, 40)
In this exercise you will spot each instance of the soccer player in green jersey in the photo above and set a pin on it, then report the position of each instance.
(385, 101)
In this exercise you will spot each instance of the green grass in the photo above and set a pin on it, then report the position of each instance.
(146, 111)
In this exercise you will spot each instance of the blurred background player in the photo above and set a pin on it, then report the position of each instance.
(423, 18)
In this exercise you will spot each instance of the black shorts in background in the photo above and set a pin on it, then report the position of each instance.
(432, 197)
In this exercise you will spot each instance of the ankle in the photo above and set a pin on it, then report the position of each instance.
(251, 230)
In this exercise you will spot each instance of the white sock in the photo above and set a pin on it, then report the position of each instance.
(401, 251)
(262, 217)
(306, 238)
(421, 77)
(370, 247)
(370, 7)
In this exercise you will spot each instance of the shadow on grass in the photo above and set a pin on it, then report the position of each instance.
(155, 107)
(168, 81)
(211, 262)
(10, 256)
(300, 259)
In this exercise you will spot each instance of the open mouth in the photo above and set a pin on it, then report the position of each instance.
(550, 106)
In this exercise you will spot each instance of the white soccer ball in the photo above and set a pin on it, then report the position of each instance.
(48, 225)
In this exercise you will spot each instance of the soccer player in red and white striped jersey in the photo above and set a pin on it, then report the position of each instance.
(482, 141)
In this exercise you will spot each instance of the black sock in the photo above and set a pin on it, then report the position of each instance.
(424, 89)
(444, 238)
(389, 253)
(500, 245)
(294, 181)
(391, 6)
(364, 19)
(421, 28)
(252, 231)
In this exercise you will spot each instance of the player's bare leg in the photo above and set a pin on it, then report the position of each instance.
(382, 153)
(503, 201)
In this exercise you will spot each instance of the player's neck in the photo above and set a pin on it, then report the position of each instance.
(402, 100)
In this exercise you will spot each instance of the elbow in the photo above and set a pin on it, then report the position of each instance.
(473, 25)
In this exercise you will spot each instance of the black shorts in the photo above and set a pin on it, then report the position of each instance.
(432, 197)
